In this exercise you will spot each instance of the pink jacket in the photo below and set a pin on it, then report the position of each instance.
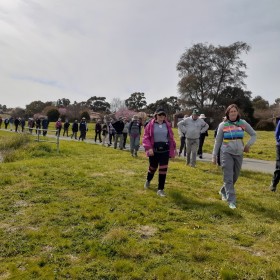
(148, 138)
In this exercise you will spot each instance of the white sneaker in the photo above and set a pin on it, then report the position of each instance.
(161, 193)
(224, 198)
(232, 205)
(147, 185)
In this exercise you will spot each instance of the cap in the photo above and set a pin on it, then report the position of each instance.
(160, 111)
(195, 112)
(202, 116)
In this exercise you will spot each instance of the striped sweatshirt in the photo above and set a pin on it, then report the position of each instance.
(230, 137)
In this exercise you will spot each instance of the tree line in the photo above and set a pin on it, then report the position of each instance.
(210, 78)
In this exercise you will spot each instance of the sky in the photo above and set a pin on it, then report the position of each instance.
(76, 49)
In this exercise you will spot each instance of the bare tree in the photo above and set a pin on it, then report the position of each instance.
(117, 104)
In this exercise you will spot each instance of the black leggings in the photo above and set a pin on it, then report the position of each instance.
(158, 160)
(276, 175)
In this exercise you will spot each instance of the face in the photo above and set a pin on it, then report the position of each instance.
(232, 114)
(160, 117)
(195, 117)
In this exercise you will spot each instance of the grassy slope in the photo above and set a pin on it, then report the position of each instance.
(83, 214)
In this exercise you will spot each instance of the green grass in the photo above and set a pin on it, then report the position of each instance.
(83, 214)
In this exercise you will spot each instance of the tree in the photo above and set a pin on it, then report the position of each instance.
(277, 101)
(3, 107)
(86, 115)
(117, 104)
(53, 114)
(260, 103)
(169, 104)
(36, 107)
(18, 113)
(239, 97)
(98, 104)
(63, 102)
(205, 71)
(136, 101)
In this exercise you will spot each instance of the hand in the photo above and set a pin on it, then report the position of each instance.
(151, 152)
(214, 160)
(246, 149)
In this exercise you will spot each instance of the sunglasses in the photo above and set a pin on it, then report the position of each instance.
(161, 114)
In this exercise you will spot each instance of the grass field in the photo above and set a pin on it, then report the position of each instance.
(83, 214)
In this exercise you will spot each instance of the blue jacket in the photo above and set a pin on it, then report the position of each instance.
(277, 134)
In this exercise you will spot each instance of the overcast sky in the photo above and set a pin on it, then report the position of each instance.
(76, 49)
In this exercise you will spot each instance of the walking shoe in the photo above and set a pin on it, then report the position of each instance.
(223, 197)
(147, 185)
(160, 193)
(232, 205)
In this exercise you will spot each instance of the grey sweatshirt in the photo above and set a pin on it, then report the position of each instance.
(230, 137)
(193, 127)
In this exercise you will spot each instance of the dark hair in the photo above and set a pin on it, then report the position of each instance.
(229, 108)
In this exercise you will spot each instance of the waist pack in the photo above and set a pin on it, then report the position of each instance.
(161, 146)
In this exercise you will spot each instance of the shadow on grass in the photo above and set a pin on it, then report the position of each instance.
(216, 209)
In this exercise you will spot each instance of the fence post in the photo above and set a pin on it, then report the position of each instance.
(57, 141)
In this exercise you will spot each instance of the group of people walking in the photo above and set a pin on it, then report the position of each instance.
(159, 145)
(119, 130)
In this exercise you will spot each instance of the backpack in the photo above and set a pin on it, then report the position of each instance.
(134, 127)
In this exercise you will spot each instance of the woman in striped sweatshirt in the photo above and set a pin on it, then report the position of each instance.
(229, 138)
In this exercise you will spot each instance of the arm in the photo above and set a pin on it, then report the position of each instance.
(218, 142)
(253, 137)
(204, 127)
(277, 132)
(147, 140)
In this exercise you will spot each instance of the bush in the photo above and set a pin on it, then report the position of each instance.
(266, 125)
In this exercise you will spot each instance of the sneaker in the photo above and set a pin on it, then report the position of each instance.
(160, 193)
(232, 205)
(147, 185)
(224, 198)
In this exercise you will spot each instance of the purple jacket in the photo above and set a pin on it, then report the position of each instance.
(148, 138)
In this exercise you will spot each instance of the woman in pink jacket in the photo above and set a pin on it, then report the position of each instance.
(159, 144)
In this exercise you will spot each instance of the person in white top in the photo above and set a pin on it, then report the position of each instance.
(201, 138)
(194, 126)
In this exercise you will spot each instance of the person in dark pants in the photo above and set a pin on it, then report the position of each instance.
(118, 126)
(98, 129)
(45, 125)
(83, 129)
(66, 127)
(75, 129)
(22, 123)
(58, 126)
(17, 122)
(276, 175)
(38, 125)
(159, 144)
(182, 135)
(201, 138)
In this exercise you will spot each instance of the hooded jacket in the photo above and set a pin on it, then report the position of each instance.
(148, 138)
